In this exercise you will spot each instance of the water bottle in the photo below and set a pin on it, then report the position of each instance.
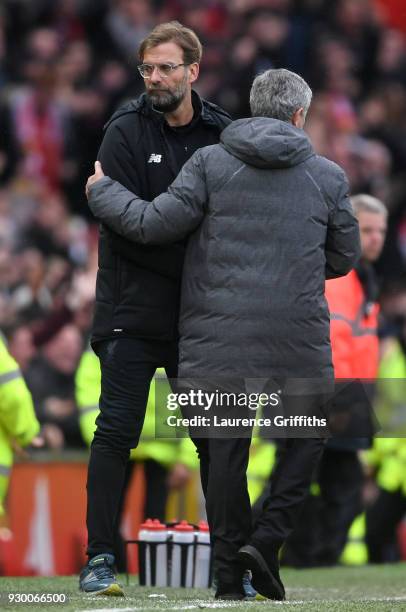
(203, 555)
(159, 553)
(182, 555)
(144, 561)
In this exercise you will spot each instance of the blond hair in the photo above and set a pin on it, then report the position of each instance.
(173, 31)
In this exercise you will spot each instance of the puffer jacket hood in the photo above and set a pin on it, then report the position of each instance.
(266, 143)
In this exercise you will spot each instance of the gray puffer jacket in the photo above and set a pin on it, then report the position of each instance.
(269, 221)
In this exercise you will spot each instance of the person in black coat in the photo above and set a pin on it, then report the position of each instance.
(137, 294)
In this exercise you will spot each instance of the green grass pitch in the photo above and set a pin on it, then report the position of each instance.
(380, 588)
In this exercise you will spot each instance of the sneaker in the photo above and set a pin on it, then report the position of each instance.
(250, 593)
(265, 579)
(97, 577)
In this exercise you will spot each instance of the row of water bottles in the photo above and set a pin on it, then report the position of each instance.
(176, 555)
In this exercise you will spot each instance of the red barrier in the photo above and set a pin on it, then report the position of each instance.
(47, 509)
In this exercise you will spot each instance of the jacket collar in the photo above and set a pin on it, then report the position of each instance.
(211, 114)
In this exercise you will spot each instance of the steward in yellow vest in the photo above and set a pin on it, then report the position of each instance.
(18, 423)
(388, 457)
(166, 451)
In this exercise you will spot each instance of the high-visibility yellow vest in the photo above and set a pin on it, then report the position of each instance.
(17, 416)
(355, 551)
(260, 466)
(390, 400)
(388, 454)
(166, 451)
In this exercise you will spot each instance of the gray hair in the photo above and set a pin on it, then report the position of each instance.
(367, 203)
(279, 94)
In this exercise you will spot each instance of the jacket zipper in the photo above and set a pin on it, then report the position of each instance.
(171, 161)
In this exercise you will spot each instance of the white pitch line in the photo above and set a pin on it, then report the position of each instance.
(109, 609)
(217, 605)
(178, 607)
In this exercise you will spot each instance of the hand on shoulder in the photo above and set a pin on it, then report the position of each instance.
(98, 174)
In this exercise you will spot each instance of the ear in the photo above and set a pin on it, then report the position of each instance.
(193, 72)
(298, 118)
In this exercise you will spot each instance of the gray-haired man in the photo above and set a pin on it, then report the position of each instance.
(269, 221)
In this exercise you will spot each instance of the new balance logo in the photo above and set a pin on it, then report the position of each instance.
(155, 158)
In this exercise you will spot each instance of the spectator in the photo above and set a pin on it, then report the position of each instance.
(51, 380)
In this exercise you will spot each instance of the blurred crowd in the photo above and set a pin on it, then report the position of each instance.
(65, 65)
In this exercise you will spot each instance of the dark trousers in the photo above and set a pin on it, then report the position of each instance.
(382, 520)
(321, 534)
(296, 461)
(156, 495)
(223, 470)
(223, 464)
(127, 368)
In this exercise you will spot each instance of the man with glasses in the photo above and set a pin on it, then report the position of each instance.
(135, 324)
(269, 221)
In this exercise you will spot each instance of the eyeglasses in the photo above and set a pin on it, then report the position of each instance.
(164, 70)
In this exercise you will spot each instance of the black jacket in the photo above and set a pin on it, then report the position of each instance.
(137, 291)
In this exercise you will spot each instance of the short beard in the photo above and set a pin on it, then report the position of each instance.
(169, 101)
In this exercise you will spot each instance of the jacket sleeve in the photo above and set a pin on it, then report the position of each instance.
(168, 218)
(117, 161)
(343, 247)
